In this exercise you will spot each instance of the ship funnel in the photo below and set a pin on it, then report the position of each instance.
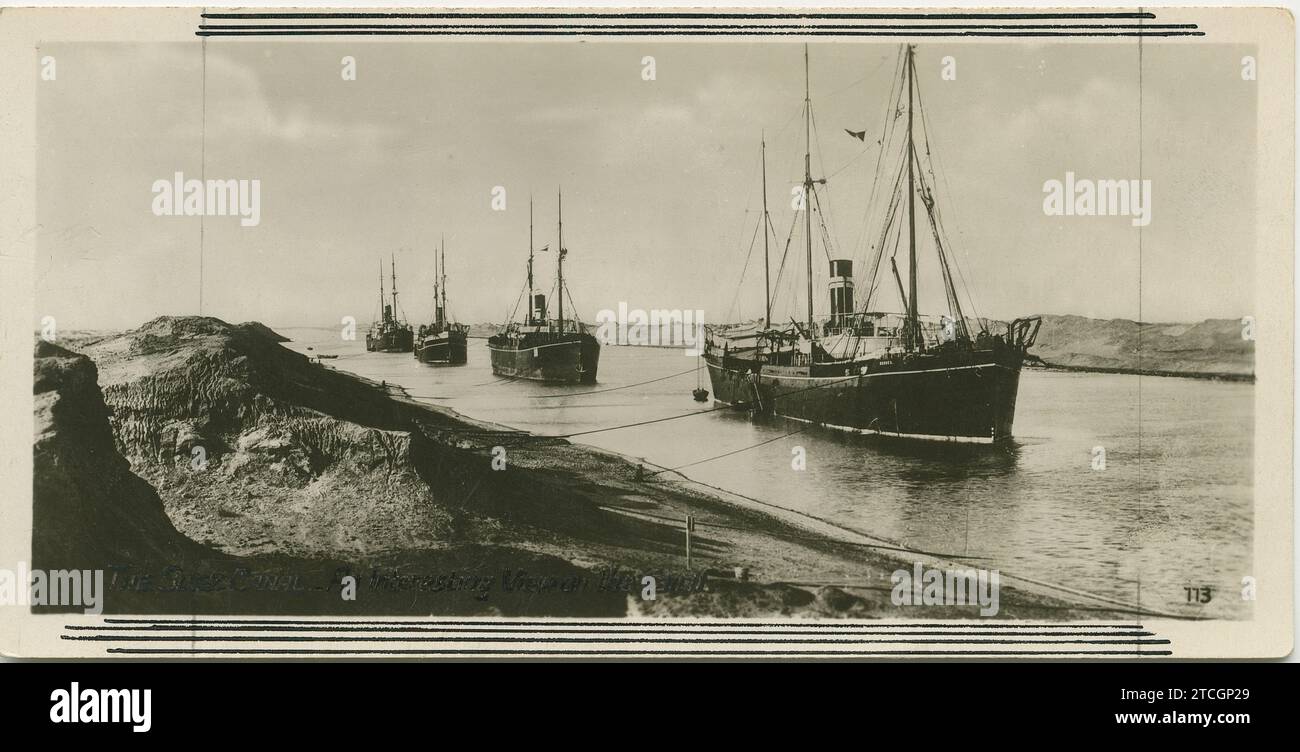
(388, 313)
(539, 308)
(841, 288)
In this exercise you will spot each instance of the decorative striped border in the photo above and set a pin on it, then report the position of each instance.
(478, 638)
(692, 24)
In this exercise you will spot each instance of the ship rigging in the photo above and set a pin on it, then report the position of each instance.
(861, 370)
(541, 348)
(389, 333)
(442, 342)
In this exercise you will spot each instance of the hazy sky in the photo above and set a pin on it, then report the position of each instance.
(660, 178)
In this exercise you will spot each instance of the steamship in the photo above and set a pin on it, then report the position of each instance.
(541, 348)
(441, 342)
(389, 333)
(860, 370)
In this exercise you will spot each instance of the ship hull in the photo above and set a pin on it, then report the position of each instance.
(448, 348)
(558, 359)
(972, 402)
(399, 341)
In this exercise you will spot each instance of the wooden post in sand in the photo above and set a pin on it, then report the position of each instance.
(690, 528)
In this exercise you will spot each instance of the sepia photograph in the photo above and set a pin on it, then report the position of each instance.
(687, 334)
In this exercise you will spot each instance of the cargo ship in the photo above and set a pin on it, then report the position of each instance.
(389, 333)
(442, 342)
(859, 370)
(540, 347)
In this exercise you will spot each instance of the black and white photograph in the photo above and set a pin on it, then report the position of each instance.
(713, 334)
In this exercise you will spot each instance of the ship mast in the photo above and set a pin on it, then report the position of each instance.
(531, 300)
(914, 340)
(442, 310)
(807, 183)
(382, 318)
(559, 267)
(767, 280)
(392, 259)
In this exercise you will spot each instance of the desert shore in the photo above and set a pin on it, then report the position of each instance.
(212, 470)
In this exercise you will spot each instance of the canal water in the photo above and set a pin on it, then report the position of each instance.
(1171, 510)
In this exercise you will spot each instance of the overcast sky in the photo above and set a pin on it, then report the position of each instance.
(660, 178)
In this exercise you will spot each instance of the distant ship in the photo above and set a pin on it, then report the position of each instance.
(867, 372)
(390, 333)
(442, 342)
(541, 348)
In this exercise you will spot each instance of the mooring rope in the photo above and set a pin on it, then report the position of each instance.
(741, 406)
(728, 454)
(791, 536)
(612, 388)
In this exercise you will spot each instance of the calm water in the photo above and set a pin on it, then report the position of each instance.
(1172, 509)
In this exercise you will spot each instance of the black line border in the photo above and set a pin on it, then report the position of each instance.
(691, 24)
(466, 638)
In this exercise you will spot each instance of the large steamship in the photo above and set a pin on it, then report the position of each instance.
(441, 342)
(900, 375)
(389, 333)
(541, 348)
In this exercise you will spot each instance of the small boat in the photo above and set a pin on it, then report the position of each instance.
(389, 333)
(540, 348)
(442, 342)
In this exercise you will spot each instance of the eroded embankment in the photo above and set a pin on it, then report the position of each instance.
(208, 476)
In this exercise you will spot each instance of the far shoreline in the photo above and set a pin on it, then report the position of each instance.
(1040, 365)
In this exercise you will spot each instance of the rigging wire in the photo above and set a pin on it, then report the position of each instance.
(735, 300)
(821, 159)
(887, 138)
(728, 454)
(886, 130)
(821, 223)
(523, 292)
(798, 113)
(935, 162)
(850, 163)
(867, 147)
(577, 321)
(494, 382)
(780, 270)
(706, 411)
(892, 213)
(740, 284)
(851, 84)
(612, 388)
